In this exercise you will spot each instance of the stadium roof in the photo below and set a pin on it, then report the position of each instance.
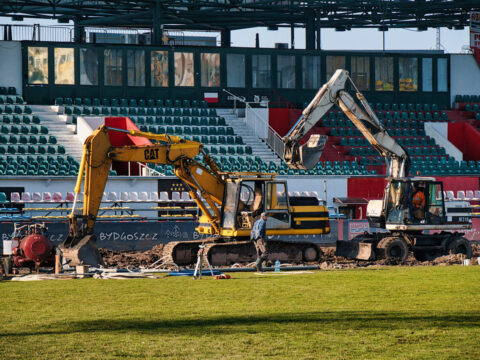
(238, 14)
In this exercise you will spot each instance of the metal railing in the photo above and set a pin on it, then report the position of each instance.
(144, 170)
(260, 126)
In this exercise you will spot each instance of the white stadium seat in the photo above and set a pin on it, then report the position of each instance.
(15, 197)
(153, 196)
(124, 196)
(133, 196)
(461, 195)
(176, 196)
(57, 197)
(69, 196)
(112, 196)
(185, 196)
(26, 197)
(477, 195)
(37, 197)
(469, 195)
(164, 196)
(143, 196)
(450, 195)
(47, 197)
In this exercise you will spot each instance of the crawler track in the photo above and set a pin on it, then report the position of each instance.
(222, 253)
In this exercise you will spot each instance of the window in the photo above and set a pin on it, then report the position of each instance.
(408, 74)
(427, 73)
(276, 196)
(442, 75)
(384, 74)
(136, 67)
(286, 71)
(435, 203)
(159, 68)
(261, 71)
(88, 67)
(210, 74)
(311, 72)
(37, 65)
(333, 63)
(184, 69)
(112, 67)
(236, 70)
(64, 66)
(361, 72)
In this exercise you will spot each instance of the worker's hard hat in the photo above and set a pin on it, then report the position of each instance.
(263, 214)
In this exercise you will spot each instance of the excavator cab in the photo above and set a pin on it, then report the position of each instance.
(414, 202)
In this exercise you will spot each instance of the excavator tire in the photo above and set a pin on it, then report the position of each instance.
(392, 248)
(460, 246)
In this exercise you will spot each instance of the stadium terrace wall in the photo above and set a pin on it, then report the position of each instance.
(465, 75)
(285, 76)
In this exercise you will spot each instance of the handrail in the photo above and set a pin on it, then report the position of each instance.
(262, 128)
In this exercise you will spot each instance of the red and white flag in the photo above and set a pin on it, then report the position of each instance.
(211, 97)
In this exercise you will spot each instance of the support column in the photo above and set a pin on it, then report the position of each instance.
(292, 36)
(310, 31)
(225, 38)
(157, 24)
(319, 35)
(78, 32)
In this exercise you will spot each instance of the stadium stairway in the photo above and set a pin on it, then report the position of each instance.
(259, 148)
(58, 126)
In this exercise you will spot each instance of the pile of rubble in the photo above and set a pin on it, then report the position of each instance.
(124, 259)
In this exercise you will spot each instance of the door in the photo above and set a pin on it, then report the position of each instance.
(277, 206)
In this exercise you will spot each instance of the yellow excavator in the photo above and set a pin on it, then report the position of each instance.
(230, 203)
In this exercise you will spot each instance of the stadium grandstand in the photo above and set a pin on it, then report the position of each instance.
(133, 65)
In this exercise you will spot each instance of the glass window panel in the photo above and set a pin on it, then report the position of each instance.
(88, 67)
(210, 69)
(261, 77)
(333, 63)
(64, 66)
(384, 74)
(136, 67)
(427, 74)
(408, 74)
(442, 75)
(311, 72)
(286, 71)
(235, 70)
(37, 65)
(113, 67)
(361, 72)
(184, 69)
(159, 65)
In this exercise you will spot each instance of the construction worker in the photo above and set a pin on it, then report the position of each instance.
(258, 237)
(418, 203)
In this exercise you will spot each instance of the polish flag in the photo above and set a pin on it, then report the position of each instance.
(211, 97)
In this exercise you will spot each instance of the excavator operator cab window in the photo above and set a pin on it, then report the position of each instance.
(435, 211)
(398, 202)
(277, 207)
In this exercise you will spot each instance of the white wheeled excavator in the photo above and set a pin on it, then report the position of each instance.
(429, 227)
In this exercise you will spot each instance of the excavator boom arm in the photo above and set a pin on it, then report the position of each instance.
(97, 159)
(333, 92)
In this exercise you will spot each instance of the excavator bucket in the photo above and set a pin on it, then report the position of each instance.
(355, 250)
(305, 156)
(84, 252)
(311, 151)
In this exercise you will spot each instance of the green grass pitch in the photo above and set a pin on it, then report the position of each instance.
(383, 313)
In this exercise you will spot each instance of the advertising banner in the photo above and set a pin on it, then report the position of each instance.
(475, 34)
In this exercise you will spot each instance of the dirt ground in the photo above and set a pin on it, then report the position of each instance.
(124, 259)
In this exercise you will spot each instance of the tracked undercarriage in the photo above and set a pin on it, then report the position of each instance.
(222, 252)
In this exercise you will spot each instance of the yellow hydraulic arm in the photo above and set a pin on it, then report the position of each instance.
(98, 154)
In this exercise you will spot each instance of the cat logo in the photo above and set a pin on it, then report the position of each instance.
(151, 154)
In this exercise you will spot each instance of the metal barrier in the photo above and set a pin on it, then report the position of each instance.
(259, 125)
